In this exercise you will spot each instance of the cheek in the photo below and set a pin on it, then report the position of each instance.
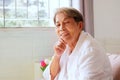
(70, 30)
(57, 32)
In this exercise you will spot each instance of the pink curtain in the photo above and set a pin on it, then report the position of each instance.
(88, 14)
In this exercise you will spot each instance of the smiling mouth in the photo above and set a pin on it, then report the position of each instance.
(64, 34)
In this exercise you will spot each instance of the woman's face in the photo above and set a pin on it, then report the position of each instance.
(66, 28)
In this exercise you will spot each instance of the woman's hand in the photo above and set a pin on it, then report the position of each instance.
(59, 47)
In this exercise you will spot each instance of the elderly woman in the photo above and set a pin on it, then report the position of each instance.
(77, 55)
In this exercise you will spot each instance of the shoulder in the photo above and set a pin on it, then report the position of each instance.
(91, 44)
(91, 47)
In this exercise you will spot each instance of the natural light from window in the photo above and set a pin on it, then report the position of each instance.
(29, 13)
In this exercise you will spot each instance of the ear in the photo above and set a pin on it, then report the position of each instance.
(80, 25)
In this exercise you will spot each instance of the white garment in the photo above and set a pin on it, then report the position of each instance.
(88, 61)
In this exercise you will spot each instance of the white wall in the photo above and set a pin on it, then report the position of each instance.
(107, 23)
(19, 48)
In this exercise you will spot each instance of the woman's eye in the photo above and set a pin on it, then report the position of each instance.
(57, 25)
(67, 22)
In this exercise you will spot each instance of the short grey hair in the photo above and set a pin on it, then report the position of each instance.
(69, 12)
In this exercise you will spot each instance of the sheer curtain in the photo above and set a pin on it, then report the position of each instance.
(86, 8)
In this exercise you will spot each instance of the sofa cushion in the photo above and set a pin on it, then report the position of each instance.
(115, 63)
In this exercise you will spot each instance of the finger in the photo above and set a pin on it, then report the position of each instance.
(61, 44)
(59, 50)
(61, 40)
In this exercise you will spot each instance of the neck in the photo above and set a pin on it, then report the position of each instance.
(73, 43)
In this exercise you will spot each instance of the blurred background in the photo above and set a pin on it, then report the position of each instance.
(27, 32)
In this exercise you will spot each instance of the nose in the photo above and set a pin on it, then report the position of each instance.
(62, 27)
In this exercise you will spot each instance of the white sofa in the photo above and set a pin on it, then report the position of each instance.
(115, 63)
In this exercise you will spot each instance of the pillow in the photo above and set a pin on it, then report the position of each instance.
(115, 63)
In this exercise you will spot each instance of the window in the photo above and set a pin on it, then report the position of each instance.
(29, 13)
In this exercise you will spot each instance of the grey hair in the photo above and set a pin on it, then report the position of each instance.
(69, 12)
